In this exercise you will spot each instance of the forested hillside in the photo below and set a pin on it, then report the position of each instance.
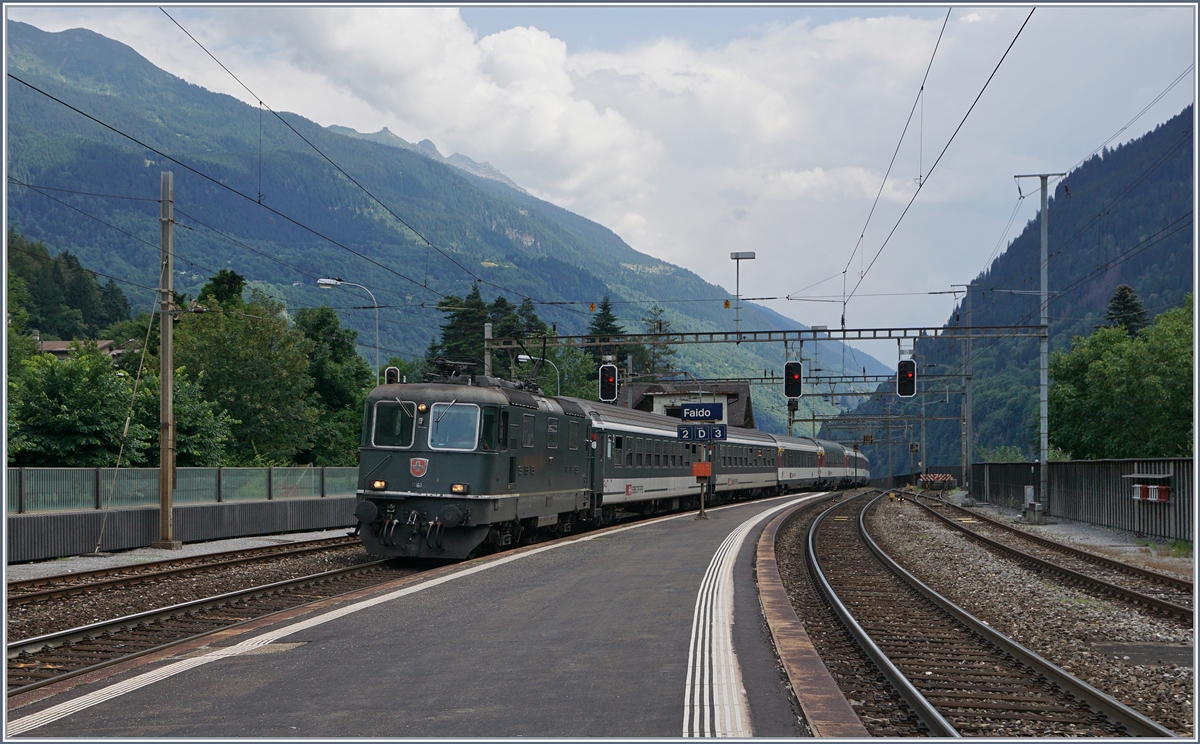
(1122, 217)
(92, 124)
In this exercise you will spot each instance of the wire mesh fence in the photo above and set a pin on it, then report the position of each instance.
(69, 489)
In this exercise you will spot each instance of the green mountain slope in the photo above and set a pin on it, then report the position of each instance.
(252, 195)
(1123, 217)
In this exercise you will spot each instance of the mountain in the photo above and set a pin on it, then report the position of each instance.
(1122, 217)
(429, 150)
(259, 194)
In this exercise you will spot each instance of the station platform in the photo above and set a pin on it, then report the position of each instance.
(651, 629)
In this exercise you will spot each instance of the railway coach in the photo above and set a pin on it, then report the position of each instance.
(475, 464)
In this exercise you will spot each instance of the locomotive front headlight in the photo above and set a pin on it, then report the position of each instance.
(422, 407)
(378, 485)
(460, 488)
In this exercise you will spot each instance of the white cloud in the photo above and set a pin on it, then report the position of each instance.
(776, 141)
(836, 184)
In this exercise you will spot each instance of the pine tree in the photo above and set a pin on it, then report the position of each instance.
(657, 359)
(1125, 310)
(605, 324)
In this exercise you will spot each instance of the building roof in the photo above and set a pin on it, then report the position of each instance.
(739, 407)
(61, 349)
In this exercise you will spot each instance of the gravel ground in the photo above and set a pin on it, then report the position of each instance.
(1117, 544)
(93, 562)
(39, 618)
(1112, 646)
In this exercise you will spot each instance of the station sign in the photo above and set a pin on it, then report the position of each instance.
(701, 432)
(701, 411)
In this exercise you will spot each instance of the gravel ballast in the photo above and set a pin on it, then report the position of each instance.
(1117, 648)
(51, 616)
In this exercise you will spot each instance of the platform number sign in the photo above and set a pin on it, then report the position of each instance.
(701, 432)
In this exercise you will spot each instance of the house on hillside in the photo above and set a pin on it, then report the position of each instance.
(62, 349)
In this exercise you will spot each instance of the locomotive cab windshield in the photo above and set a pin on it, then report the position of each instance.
(453, 426)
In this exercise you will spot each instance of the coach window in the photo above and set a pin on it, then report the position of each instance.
(629, 452)
(619, 446)
(487, 432)
(527, 423)
(551, 433)
(609, 447)
(637, 456)
(573, 435)
(657, 453)
(393, 424)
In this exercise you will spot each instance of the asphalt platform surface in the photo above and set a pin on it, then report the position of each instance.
(585, 636)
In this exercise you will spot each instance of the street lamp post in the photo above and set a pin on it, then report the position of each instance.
(330, 284)
(558, 376)
(738, 257)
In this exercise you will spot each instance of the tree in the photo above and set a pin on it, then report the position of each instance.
(605, 324)
(1125, 310)
(61, 299)
(462, 334)
(202, 428)
(72, 413)
(654, 359)
(341, 381)
(1119, 397)
(252, 364)
(225, 287)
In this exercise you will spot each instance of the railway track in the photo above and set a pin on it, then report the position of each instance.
(65, 585)
(955, 674)
(1160, 592)
(36, 662)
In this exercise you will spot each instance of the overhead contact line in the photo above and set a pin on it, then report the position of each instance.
(228, 188)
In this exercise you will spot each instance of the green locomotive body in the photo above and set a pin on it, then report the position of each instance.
(448, 467)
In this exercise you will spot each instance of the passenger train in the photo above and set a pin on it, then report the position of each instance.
(475, 464)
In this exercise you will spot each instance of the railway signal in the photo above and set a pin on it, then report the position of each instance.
(792, 374)
(906, 378)
(608, 382)
(391, 375)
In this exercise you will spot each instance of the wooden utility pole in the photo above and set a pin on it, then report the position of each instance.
(166, 408)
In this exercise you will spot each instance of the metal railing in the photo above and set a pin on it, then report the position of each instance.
(70, 489)
(1098, 492)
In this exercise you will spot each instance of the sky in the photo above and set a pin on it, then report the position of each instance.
(694, 132)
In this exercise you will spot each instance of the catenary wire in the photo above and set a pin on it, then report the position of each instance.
(931, 168)
(228, 188)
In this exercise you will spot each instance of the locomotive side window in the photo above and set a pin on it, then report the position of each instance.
(394, 424)
(453, 426)
(527, 423)
(573, 435)
(551, 433)
(503, 430)
(487, 432)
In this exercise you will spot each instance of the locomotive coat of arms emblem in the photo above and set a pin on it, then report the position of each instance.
(418, 466)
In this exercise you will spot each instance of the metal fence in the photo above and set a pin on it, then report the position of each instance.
(1098, 492)
(32, 490)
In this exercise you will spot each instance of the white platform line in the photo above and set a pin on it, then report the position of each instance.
(714, 699)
